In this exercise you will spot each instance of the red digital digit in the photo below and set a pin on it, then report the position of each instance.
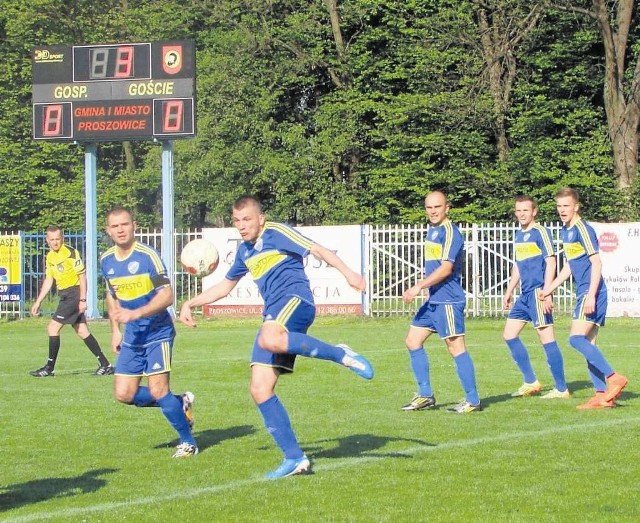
(172, 116)
(52, 121)
(124, 62)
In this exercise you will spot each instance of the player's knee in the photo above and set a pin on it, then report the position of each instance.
(53, 329)
(411, 342)
(123, 396)
(260, 392)
(272, 341)
(577, 340)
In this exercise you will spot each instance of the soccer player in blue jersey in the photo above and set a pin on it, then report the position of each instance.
(138, 295)
(273, 254)
(443, 309)
(534, 266)
(581, 251)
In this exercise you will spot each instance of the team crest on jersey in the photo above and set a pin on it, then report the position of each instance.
(526, 236)
(60, 267)
(434, 235)
(258, 246)
(570, 235)
(133, 267)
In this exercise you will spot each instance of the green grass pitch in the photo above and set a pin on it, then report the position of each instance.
(69, 452)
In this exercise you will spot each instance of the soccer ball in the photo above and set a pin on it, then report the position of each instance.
(199, 257)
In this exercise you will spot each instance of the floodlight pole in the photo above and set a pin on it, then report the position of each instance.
(91, 258)
(168, 251)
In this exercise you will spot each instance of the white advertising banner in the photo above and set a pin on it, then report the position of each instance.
(331, 292)
(620, 254)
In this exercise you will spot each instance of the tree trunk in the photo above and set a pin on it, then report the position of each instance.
(500, 32)
(622, 114)
(620, 102)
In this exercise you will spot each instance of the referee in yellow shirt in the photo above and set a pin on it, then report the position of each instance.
(65, 267)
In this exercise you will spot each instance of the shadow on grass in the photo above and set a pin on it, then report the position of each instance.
(358, 445)
(210, 437)
(36, 490)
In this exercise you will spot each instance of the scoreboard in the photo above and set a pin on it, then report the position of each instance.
(132, 91)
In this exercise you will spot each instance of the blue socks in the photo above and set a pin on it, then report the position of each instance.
(172, 409)
(556, 365)
(599, 367)
(143, 398)
(467, 377)
(420, 368)
(171, 406)
(277, 422)
(521, 357)
(305, 345)
(597, 378)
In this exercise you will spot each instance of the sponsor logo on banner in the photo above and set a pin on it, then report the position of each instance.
(619, 247)
(608, 241)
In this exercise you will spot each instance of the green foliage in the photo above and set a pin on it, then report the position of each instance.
(322, 132)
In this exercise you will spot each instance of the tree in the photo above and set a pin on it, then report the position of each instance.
(502, 27)
(619, 27)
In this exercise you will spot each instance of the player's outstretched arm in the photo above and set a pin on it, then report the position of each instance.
(211, 295)
(354, 279)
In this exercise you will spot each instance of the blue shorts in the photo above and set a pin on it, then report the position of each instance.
(447, 319)
(598, 316)
(529, 308)
(145, 360)
(295, 315)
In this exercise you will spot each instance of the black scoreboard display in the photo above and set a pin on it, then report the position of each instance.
(96, 93)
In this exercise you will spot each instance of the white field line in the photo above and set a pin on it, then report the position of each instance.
(335, 464)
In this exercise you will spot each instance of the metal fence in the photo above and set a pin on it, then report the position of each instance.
(35, 249)
(393, 262)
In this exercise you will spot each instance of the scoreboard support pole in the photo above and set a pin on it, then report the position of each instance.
(91, 258)
(168, 249)
(168, 224)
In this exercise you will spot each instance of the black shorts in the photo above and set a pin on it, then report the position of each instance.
(67, 312)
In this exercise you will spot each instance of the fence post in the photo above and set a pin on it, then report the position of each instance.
(475, 264)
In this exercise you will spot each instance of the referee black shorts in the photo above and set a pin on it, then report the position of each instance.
(67, 312)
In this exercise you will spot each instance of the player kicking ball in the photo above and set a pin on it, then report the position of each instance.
(273, 253)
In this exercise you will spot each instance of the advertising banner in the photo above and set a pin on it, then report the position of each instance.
(620, 254)
(10, 268)
(331, 292)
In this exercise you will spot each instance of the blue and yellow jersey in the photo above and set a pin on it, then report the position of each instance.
(444, 243)
(134, 281)
(64, 266)
(276, 263)
(532, 248)
(579, 243)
